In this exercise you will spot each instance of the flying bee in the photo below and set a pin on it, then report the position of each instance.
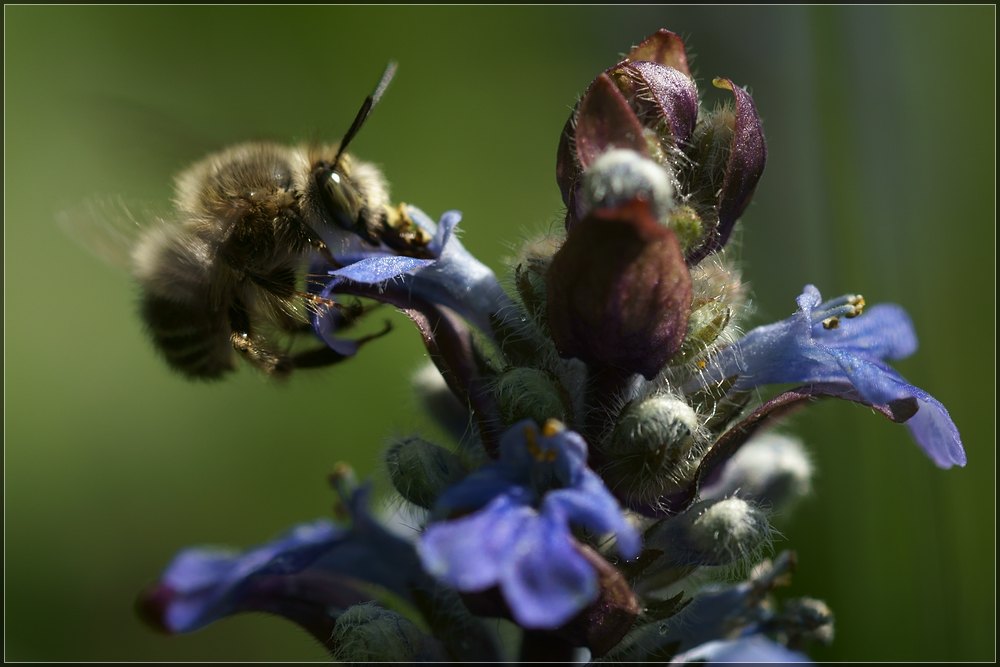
(227, 275)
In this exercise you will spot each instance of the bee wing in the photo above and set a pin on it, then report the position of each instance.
(108, 227)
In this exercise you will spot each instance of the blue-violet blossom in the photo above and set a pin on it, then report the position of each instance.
(309, 574)
(520, 539)
(452, 278)
(803, 349)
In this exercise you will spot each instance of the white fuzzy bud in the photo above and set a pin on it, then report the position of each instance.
(620, 176)
(712, 533)
(653, 448)
(772, 470)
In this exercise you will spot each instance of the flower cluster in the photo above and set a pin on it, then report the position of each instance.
(614, 488)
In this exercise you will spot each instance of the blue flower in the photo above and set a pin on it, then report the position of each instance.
(754, 648)
(815, 346)
(309, 574)
(520, 539)
(452, 278)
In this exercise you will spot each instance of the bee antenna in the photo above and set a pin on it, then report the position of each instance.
(366, 109)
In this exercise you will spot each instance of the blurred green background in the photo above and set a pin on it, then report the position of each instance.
(881, 130)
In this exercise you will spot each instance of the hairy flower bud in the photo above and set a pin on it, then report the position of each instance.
(658, 430)
(648, 103)
(530, 393)
(619, 292)
(529, 280)
(726, 157)
(711, 532)
(653, 450)
(369, 633)
(772, 470)
(420, 471)
(706, 323)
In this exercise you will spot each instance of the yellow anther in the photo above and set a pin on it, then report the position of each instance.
(536, 452)
(831, 322)
(701, 364)
(533, 448)
(551, 427)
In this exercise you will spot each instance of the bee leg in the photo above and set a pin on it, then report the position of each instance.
(250, 348)
(351, 312)
(321, 356)
(325, 356)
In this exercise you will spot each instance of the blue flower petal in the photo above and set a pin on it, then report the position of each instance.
(379, 269)
(458, 280)
(326, 323)
(523, 443)
(453, 278)
(482, 486)
(530, 556)
(931, 427)
(472, 553)
(590, 504)
(207, 584)
(803, 351)
(521, 540)
(884, 331)
(308, 575)
(441, 231)
(756, 648)
(935, 432)
(549, 581)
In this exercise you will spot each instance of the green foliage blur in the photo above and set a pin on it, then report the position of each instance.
(881, 131)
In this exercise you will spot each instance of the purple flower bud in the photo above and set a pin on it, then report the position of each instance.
(660, 94)
(745, 157)
(648, 103)
(663, 48)
(602, 121)
(619, 292)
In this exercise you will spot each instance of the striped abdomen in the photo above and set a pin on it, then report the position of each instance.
(194, 340)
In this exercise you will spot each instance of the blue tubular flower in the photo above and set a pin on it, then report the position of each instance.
(310, 575)
(520, 539)
(755, 648)
(202, 584)
(815, 346)
(453, 278)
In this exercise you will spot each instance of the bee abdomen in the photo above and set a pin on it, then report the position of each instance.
(194, 341)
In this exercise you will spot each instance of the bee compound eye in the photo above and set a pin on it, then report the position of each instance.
(340, 198)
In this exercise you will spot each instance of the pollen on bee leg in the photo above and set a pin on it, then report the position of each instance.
(315, 300)
(398, 220)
